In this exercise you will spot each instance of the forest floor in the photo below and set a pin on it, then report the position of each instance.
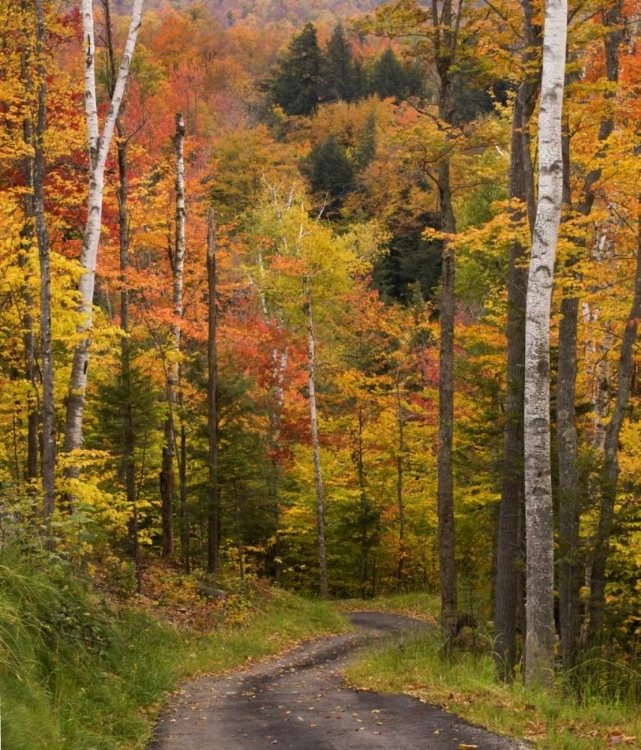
(301, 702)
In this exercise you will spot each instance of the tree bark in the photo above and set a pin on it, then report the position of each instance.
(99, 145)
(313, 417)
(569, 563)
(27, 236)
(510, 549)
(48, 403)
(539, 644)
(125, 346)
(213, 511)
(610, 476)
(445, 50)
(400, 573)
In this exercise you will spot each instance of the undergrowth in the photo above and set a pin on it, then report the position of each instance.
(79, 673)
(465, 684)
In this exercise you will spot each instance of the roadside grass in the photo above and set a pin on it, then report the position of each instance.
(465, 685)
(421, 606)
(77, 673)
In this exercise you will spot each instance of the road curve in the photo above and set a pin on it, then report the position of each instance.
(299, 702)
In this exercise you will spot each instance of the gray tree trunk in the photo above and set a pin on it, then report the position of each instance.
(609, 481)
(570, 567)
(213, 510)
(445, 50)
(539, 642)
(510, 548)
(27, 236)
(48, 403)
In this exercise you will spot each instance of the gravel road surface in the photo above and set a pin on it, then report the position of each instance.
(300, 702)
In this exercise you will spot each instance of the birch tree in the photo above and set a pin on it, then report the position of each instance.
(99, 144)
(539, 643)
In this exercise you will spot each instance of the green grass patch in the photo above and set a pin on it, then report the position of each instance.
(422, 606)
(79, 674)
(465, 684)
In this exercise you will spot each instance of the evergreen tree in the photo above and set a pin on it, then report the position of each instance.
(390, 79)
(339, 71)
(365, 150)
(330, 170)
(297, 84)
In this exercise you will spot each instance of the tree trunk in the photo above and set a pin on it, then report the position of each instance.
(98, 151)
(320, 497)
(445, 49)
(509, 556)
(177, 258)
(539, 643)
(48, 404)
(399, 489)
(212, 412)
(610, 476)
(569, 565)
(125, 346)
(27, 236)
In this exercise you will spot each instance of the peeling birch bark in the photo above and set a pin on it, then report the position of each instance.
(99, 145)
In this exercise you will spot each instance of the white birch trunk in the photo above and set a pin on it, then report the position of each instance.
(320, 496)
(98, 151)
(539, 645)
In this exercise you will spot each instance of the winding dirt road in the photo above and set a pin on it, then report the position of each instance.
(299, 702)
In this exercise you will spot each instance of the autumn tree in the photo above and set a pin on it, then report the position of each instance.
(539, 645)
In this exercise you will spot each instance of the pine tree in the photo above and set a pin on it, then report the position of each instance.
(297, 83)
(330, 170)
(341, 83)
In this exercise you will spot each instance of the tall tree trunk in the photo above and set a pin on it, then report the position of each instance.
(313, 417)
(27, 235)
(99, 145)
(125, 346)
(48, 404)
(509, 554)
(213, 509)
(445, 39)
(569, 565)
(539, 643)
(400, 573)
(609, 481)
(177, 258)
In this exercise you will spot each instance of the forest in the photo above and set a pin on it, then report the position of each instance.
(264, 270)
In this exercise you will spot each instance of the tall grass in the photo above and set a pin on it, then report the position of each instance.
(465, 683)
(76, 675)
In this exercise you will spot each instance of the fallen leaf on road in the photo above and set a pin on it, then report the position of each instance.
(463, 746)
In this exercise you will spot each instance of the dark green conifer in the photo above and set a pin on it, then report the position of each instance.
(330, 170)
(297, 84)
(390, 79)
(339, 70)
